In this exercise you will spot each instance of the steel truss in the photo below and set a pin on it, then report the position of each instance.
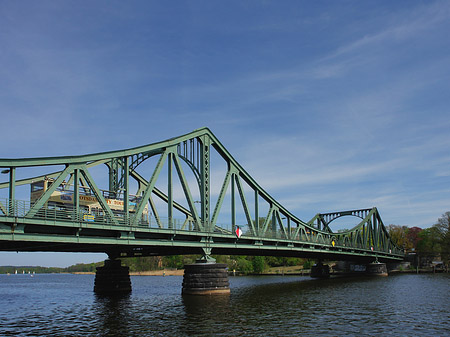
(128, 230)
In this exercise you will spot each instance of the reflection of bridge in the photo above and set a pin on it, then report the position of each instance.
(170, 197)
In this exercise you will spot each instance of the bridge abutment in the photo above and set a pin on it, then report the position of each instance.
(112, 278)
(205, 277)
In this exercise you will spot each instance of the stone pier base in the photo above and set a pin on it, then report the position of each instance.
(205, 279)
(112, 278)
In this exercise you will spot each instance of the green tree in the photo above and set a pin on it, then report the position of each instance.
(398, 235)
(428, 245)
(442, 232)
(174, 261)
(412, 236)
(274, 261)
(259, 264)
(244, 265)
(404, 237)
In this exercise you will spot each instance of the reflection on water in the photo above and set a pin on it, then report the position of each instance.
(206, 314)
(111, 312)
(65, 305)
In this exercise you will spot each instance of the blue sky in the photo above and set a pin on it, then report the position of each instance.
(328, 105)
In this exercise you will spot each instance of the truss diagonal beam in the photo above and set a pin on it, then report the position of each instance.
(187, 192)
(46, 195)
(101, 200)
(267, 220)
(280, 222)
(158, 193)
(149, 188)
(219, 202)
(245, 205)
(155, 212)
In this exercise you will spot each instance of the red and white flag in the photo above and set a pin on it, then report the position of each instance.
(238, 232)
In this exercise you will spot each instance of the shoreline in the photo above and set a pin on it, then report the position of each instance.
(164, 272)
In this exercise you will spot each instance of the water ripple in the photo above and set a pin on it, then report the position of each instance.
(65, 305)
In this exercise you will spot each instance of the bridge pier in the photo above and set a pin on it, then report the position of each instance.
(112, 278)
(377, 269)
(320, 270)
(205, 277)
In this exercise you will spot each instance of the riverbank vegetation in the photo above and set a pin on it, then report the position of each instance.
(432, 242)
(240, 264)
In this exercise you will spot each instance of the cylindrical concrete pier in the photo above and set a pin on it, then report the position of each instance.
(112, 278)
(205, 279)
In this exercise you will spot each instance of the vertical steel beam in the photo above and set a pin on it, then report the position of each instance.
(114, 176)
(233, 203)
(12, 191)
(76, 194)
(375, 231)
(289, 227)
(256, 212)
(274, 222)
(205, 143)
(126, 188)
(170, 190)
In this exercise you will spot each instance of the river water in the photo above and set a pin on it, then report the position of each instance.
(65, 305)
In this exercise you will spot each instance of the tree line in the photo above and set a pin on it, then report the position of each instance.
(241, 264)
(433, 241)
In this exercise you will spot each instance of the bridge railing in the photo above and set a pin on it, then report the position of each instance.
(16, 208)
(20, 208)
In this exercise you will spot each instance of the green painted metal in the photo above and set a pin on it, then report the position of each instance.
(76, 193)
(149, 188)
(128, 221)
(188, 195)
(12, 189)
(126, 188)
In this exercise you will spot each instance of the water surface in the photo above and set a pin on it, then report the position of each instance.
(65, 305)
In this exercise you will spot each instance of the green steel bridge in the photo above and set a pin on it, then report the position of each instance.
(185, 195)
